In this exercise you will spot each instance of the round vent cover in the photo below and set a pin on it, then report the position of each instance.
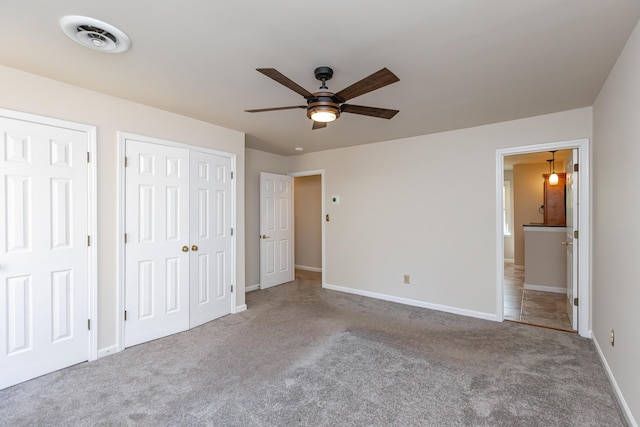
(95, 34)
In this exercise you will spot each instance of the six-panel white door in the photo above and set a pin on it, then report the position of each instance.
(571, 194)
(276, 230)
(210, 200)
(157, 249)
(44, 253)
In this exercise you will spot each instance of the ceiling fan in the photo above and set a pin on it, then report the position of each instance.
(324, 106)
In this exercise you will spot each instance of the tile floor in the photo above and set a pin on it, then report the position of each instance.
(533, 307)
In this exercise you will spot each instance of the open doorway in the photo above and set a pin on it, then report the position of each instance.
(535, 263)
(309, 225)
(513, 301)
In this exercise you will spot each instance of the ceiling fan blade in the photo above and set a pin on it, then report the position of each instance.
(285, 81)
(381, 113)
(318, 125)
(375, 81)
(260, 110)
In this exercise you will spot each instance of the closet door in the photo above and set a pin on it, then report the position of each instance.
(44, 285)
(157, 249)
(210, 230)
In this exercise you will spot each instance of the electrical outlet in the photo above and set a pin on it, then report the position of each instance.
(406, 279)
(613, 338)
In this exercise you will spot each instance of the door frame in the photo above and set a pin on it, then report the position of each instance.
(584, 225)
(92, 211)
(320, 172)
(121, 207)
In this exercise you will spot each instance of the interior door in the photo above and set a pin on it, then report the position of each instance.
(157, 249)
(210, 224)
(44, 288)
(276, 230)
(571, 188)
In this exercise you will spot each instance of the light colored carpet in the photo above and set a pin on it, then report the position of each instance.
(305, 356)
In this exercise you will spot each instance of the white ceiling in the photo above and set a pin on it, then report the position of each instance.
(461, 63)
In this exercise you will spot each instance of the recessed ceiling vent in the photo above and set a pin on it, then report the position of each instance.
(95, 34)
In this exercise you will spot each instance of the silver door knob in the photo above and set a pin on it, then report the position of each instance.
(566, 243)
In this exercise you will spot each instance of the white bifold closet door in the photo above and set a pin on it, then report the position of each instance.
(44, 290)
(178, 250)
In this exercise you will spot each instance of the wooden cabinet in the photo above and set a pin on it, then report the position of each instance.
(554, 208)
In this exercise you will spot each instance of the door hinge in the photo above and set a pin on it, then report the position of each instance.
(232, 231)
(125, 238)
(231, 174)
(575, 301)
(231, 288)
(575, 234)
(125, 162)
(575, 167)
(88, 240)
(125, 315)
(89, 324)
(88, 157)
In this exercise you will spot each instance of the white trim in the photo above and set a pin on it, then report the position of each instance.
(545, 288)
(623, 403)
(323, 180)
(92, 212)
(120, 291)
(584, 225)
(412, 302)
(251, 288)
(304, 267)
(241, 308)
(107, 351)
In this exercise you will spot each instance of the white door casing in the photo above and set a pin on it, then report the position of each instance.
(45, 272)
(276, 229)
(210, 230)
(157, 249)
(571, 191)
(583, 214)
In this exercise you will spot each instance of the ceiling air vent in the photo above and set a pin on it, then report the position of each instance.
(95, 34)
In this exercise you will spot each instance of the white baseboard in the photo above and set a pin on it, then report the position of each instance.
(545, 288)
(623, 403)
(251, 288)
(240, 308)
(304, 267)
(107, 351)
(413, 302)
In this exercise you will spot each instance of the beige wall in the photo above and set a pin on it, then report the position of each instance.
(401, 212)
(256, 162)
(32, 94)
(616, 225)
(308, 221)
(528, 196)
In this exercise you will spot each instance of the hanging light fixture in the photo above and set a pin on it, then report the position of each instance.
(553, 178)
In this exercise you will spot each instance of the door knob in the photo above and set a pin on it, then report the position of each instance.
(194, 248)
(566, 243)
(264, 236)
(185, 249)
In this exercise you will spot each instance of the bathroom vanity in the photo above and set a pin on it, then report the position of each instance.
(545, 258)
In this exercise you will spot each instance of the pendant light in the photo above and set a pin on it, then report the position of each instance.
(553, 178)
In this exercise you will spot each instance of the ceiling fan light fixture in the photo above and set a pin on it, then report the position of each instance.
(323, 113)
(323, 116)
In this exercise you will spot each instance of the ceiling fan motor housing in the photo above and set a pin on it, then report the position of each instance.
(322, 102)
